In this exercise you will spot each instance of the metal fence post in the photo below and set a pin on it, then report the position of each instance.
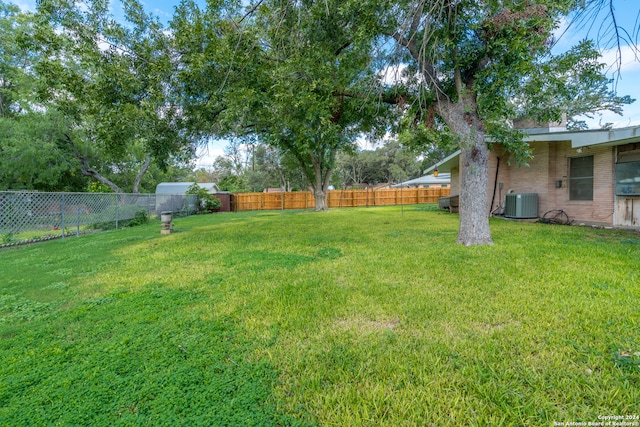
(78, 224)
(62, 216)
(116, 211)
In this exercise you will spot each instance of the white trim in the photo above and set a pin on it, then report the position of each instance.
(586, 138)
(578, 139)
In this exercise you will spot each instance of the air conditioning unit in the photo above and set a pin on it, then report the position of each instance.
(521, 205)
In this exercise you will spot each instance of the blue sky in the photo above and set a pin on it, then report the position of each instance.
(627, 81)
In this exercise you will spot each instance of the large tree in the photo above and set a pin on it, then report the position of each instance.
(112, 83)
(290, 73)
(466, 61)
(32, 151)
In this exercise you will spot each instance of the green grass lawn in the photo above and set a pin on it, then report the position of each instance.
(352, 317)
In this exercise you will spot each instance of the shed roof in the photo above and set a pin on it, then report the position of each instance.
(182, 187)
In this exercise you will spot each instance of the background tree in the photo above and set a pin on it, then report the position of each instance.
(32, 151)
(390, 163)
(227, 176)
(270, 168)
(111, 82)
(34, 155)
(351, 170)
(260, 166)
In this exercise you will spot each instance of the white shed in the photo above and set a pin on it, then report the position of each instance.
(182, 187)
(171, 196)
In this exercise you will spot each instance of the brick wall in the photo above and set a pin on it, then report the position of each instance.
(550, 164)
(601, 209)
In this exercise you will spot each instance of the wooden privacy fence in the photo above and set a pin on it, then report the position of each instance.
(338, 198)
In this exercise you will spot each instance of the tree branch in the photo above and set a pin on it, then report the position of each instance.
(250, 12)
(456, 73)
(427, 68)
(343, 47)
(141, 172)
(87, 170)
(415, 23)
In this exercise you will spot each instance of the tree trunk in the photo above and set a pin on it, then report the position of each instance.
(86, 169)
(320, 183)
(320, 197)
(462, 118)
(474, 173)
(320, 188)
(143, 169)
(98, 177)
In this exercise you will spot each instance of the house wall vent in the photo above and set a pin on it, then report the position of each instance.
(521, 205)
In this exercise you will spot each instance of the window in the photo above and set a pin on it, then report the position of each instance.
(581, 178)
(628, 179)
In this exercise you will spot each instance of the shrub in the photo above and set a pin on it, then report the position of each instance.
(206, 202)
(140, 218)
(98, 187)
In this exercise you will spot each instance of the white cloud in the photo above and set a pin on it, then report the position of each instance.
(625, 83)
(565, 36)
(207, 154)
(627, 57)
(393, 74)
(630, 117)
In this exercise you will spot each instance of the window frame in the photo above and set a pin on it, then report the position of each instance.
(578, 184)
(627, 175)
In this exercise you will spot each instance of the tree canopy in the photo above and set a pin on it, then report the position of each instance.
(390, 163)
(292, 75)
(476, 65)
(102, 87)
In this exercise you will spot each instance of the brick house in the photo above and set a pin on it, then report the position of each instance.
(592, 175)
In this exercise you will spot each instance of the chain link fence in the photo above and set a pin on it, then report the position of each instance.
(32, 216)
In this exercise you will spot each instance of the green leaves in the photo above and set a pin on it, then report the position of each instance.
(207, 203)
(295, 75)
(497, 54)
(109, 86)
(34, 154)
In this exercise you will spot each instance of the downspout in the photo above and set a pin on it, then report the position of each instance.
(495, 186)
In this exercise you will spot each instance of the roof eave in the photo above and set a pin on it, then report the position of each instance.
(578, 139)
(446, 164)
(590, 137)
